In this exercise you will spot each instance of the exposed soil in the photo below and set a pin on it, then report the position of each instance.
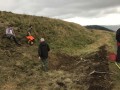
(92, 71)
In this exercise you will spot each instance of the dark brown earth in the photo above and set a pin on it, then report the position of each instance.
(94, 69)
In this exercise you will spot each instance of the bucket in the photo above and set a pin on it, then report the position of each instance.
(112, 57)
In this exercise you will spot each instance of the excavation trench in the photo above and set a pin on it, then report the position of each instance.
(92, 72)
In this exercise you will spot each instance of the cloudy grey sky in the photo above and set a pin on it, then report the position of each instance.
(79, 11)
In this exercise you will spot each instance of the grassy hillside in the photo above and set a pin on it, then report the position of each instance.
(59, 34)
(20, 68)
(62, 36)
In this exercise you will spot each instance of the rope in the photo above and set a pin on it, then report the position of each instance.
(117, 65)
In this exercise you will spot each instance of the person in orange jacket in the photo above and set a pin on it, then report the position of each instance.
(30, 39)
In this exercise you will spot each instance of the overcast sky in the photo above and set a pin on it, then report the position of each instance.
(84, 12)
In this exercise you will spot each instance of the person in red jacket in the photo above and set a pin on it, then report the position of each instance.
(118, 45)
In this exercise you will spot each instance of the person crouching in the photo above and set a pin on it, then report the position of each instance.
(30, 39)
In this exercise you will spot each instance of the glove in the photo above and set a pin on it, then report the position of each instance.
(39, 58)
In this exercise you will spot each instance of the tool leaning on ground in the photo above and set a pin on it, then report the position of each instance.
(117, 65)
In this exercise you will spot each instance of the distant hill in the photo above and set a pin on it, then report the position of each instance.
(104, 27)
(98, 27)
(112, 27)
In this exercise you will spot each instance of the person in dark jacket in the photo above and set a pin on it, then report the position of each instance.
(118, 45)
(43, 53)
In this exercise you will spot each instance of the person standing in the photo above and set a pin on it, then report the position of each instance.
(118, 45)
(43, 53)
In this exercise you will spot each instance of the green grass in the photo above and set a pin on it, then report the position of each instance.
(59, 34)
